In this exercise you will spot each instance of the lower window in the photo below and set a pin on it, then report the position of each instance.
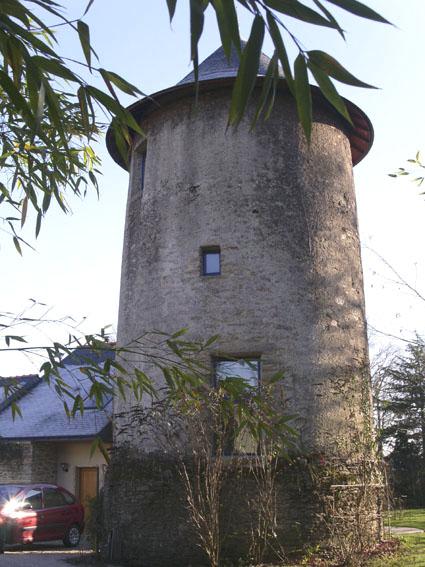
(247, 369)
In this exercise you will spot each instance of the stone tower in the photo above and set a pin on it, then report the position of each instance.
(251, 235)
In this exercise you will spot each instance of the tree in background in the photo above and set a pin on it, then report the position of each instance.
(405, 407)
(381, 385)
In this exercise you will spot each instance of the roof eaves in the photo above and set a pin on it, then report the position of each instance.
(57, 438)
(33, 381)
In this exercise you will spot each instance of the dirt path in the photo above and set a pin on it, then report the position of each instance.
(38, 558)
(41, 555)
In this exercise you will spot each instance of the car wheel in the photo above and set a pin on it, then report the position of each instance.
(72, 536)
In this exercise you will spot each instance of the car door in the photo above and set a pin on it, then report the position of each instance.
(56, 514)
(32, 523)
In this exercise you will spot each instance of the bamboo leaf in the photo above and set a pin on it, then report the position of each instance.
(84, 35)
(121, 83)
(84, 109)
(38, 223)
(299, 11)
(24, 210)
(329, 91)
(88, 7)
(303, 95)
(197, 8)
(247, 72)
(330, 17)
(40, 105)
(359, 9)
(281, 51)
(227, 20)
(107, 101)
(29, 37)
(16, 98)
(171, 4)
(334, 69)
(17, 245)
(17, 338)
(266, 88)
(54, 67)
(16, 410)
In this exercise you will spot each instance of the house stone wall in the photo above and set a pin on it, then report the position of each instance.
(26, 461)
(15, 462)
(44, 459)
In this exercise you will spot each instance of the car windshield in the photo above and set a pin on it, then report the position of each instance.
(7, 491)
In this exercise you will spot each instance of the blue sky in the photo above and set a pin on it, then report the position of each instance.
(76, 266)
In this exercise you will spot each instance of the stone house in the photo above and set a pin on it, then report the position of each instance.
(44, 445)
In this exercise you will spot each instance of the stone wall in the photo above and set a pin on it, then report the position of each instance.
(27, 462)
(15, 462)
(147, 523)
(44, 462)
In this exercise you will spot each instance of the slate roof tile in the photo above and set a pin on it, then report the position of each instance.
(43, 414)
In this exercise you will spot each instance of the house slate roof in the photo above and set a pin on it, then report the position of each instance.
(43, 414)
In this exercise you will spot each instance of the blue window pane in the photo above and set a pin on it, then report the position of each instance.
(211, 263)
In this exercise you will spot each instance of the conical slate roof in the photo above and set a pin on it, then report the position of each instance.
(217, 66)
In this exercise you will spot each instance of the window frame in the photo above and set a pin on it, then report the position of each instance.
(245, 358)
(205, 250)
(36, 490)
(248, 358)
(53, 490)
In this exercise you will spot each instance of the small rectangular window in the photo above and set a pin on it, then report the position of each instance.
(211, 261)
(248, 369)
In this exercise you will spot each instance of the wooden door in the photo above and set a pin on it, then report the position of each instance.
(88, 483)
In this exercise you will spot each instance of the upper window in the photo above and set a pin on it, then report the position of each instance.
(211, 261)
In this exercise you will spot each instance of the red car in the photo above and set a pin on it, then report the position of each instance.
(39, 512)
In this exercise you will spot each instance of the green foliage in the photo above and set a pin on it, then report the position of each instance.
(232, 406)
(94, 521)
(406, 400)
(48, 114)
(405, 406)
(410, 554)
(416, 174)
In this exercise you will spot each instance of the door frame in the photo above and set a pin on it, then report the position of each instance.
(78, 481)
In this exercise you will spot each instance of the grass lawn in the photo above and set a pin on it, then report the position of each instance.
(413, 546)
(409, 518)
